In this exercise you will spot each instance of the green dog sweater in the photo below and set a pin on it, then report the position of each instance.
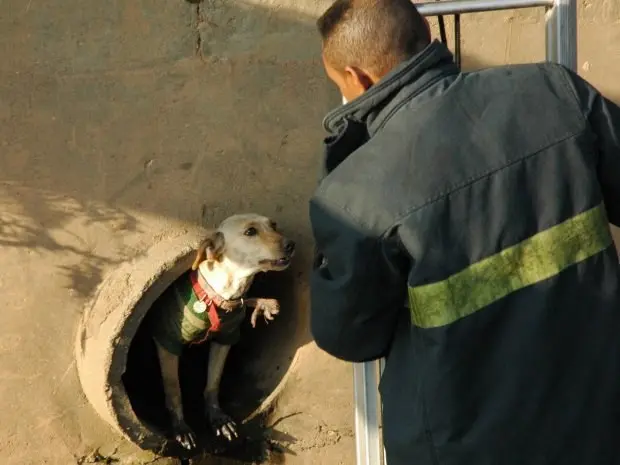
(177, 321)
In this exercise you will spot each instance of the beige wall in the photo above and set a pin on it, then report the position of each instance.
(114, 133)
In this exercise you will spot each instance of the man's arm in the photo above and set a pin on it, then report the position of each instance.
(604, 119)
(356, 290)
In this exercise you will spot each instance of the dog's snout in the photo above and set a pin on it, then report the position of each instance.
(289, 246)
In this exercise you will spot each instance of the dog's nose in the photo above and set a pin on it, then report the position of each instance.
(289, 246)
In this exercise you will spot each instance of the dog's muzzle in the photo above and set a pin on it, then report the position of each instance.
(288, 247)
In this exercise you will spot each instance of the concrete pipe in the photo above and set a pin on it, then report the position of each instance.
(117, 362)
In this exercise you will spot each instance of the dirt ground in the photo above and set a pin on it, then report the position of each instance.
(122, 122)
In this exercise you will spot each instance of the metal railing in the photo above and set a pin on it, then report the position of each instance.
(453, 7)
(561, 47)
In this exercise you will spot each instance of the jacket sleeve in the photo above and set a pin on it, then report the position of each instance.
(356, 292)
(603, 117)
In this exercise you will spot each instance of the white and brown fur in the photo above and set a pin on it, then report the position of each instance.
(228, 259)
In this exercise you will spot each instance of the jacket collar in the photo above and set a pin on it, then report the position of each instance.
(399, 85)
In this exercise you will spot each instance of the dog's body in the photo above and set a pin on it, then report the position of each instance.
(207, 304)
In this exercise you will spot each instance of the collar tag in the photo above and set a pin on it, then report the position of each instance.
(200, 306)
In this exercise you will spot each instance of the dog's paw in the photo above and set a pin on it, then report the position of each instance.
(184, 435)
(269, 308)
(222, 424)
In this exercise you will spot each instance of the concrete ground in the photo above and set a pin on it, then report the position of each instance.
(123, 121)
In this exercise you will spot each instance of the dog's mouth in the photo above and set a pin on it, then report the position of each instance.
(282, 262)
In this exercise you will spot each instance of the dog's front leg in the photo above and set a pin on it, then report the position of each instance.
(269, 308)
(169, 366)
(221, 423)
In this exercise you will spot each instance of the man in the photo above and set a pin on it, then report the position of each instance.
(482, 200)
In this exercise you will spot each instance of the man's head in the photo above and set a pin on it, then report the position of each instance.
(363, 40)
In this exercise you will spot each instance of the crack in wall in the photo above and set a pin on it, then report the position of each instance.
(203, 10)
(199, 20)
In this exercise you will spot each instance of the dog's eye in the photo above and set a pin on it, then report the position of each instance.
(274, 226)
(250, 232)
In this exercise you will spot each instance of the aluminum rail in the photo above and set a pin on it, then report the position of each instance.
(561, 33)
(368, 438)
(452, 7)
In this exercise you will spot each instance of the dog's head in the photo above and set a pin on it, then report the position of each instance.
(250, 242)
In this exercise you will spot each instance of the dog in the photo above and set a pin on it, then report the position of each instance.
(207, 305)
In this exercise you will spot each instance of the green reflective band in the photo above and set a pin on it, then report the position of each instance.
(540, 257)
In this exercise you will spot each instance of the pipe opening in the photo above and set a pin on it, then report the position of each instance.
(115, 349)
(256, 366)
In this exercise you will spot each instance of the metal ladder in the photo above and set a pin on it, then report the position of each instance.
(561, 47)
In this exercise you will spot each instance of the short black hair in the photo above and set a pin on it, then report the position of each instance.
(372, 34)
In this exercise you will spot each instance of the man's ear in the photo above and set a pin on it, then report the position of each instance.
(358, 80)
(210, 249)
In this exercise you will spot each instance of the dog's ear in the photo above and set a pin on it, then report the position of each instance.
(209, 249)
